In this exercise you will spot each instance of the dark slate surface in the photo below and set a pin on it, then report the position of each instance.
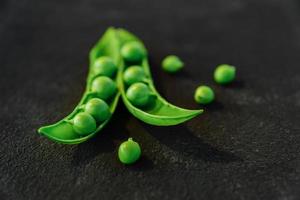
(245, 146)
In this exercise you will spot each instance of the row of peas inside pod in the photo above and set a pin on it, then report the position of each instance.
(95, 110)
(134, 76)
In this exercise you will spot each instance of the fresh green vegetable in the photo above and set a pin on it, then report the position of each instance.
(98, 109)
(133, 51)
(224, 74)
(134, 74)
(64, 131)
(160, 113)
(105, 66)
(129, 151)
(204, 95)
(138, 94)
(172, 64)
(84, 124)
(104, 87)
(87, 118)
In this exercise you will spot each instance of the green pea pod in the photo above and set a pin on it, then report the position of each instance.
(160, 113)
(63, 131)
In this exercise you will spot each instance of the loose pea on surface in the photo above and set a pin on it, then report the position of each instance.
(133, 51)
(138, 94)
(105, 66)
(224, 74)
(98, 109)
(129, 151)
(204, 95)
(134, 74)
(84, 124)
(104, 87)
(172, 64)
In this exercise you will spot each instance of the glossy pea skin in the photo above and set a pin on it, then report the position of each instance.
(204, 95)
(138, 94)
(133, 51)
(104, 87)
(172, 64)
(84, 124)
(134, 74)
(224, 74)
(98, 109)
(129, 151)
(104, 66)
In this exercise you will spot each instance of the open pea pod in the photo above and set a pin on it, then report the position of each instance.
(160, 113)
(63, 131)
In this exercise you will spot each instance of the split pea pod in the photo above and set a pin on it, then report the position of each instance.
(99, 100)
(138, 93)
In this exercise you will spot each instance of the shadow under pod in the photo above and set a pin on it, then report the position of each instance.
(180, 139)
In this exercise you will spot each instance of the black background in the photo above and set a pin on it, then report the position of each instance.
(245, 146)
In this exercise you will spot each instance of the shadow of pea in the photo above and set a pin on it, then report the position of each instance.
(143, 164)
(180, 139)
(236, 84)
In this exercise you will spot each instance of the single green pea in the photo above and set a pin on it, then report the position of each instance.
(224, 74)
(133, 51)
(98, 109)
(134, 74)
(105, 66)
(104, 87)
(129, 151)
(84, 124)
(138, 94)
(172, 64)
(204, 95)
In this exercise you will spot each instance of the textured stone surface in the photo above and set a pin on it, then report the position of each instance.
(245, 146)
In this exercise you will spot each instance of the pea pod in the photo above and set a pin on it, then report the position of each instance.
(64, 130)
(160, 112)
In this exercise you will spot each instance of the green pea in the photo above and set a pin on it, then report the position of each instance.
(138, 94)
(172, 64)
(84, 123)
(133, 51)
(204, 95)
(98, 109)
(224, 74)
(104, 87)
(129, 151)
(105, 66)
(134, 74)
